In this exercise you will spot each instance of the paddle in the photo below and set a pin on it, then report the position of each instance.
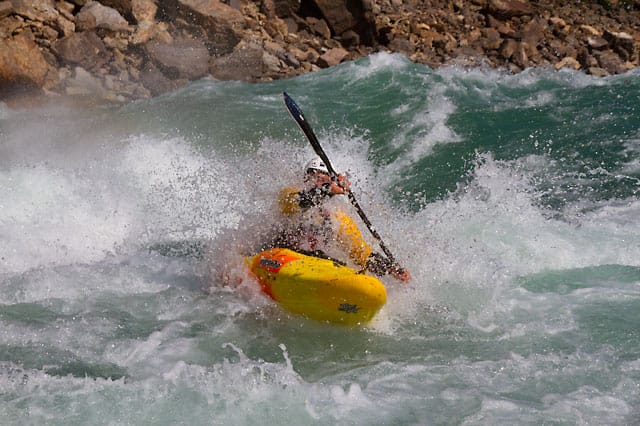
(298, 116)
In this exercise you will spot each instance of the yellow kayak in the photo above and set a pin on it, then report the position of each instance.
(317, 288)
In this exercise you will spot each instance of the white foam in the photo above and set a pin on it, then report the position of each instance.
(373, 64)
(468, 250)
(57, 217)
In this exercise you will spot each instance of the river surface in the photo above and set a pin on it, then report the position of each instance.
(514, 200)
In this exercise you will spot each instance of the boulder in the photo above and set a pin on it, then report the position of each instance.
(144, 11)
(332, 57)
(491, 39)
(6, 8)
(510, 8)
(22, 66)
(155, 81)
(222, 24)
(41, 10)
(94, 15)
(344, 15)
(621, 42)
(66, 9)
(503, 28)
(336, 14)
(280, 8)
(597, 43)
(245, 63)
(350, 38)
(124, 7)
(508, 48)
(318, 27)
(85, 49)
(82, 83)
(534, 31)
(597, 72)
(610, 61)
(568, 62)
(182, 59)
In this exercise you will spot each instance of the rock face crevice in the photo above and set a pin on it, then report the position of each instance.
(121, 50)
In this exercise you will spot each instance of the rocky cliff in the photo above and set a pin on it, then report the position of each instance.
(120, 50)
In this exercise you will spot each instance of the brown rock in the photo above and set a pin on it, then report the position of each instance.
(66, 26)
(276, 28)
(222, 23)
(95, 15)
(503, 28)
(586, 60)
(508, 48)
(597, 72)
(9, 26)
(82, 83)
(597, 43)
(124, 7)
(567, 62)
(534, 31)
(350, 38)
(66, 9)
(144, 11)
(337, 15)
(292, 24)
(268, 7)
(41, 10)
(557, 22)
(85, 49)
(344, 15)
(491, 39)
(521, 56)
(308, 55)
(319, 27)
(510, 8)
(263, 39)
(6, 8)
(244, 63)
(621, 42)
(403, 45)
(611, 62)
(155, 81)
(182, 59)
(280, 8)
(332, 57)
(22, 66)
(588, 29)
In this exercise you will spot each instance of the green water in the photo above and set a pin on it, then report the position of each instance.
(512, 199)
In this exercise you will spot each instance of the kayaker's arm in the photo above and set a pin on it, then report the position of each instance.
(322, 186)
(361, 253)
(293, 201)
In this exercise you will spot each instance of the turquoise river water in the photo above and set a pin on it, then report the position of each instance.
(514, 200)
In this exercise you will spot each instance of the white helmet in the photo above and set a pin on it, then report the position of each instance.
(316, 165)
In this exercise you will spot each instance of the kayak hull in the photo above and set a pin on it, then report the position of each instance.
(317, 288)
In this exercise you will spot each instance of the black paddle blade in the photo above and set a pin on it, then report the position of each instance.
(304, 125)
(293, 108)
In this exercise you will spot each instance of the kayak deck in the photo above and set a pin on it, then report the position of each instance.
(317, 288)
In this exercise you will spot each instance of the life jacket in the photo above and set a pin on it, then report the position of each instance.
(319, 226)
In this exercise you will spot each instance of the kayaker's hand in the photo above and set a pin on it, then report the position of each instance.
(401, 274)
(338, 186)
(381, 265)
(343, 184)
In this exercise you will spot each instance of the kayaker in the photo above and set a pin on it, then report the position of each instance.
(317, 222)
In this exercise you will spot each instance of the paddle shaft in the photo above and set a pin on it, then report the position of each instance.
(298, 116)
